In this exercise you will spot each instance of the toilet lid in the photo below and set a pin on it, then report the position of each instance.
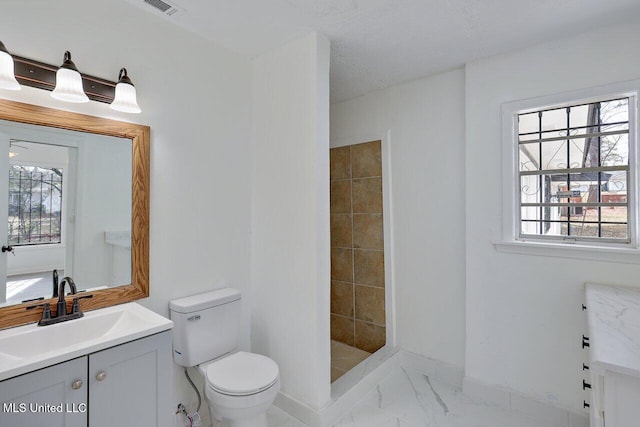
(242, 373)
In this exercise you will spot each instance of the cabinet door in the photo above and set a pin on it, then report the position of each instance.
(54, 397)
(130, 384)
(621, 397)
(596, 410)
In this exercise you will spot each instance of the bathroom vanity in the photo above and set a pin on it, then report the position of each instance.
(613, 315)
(112, 366)
(109, 368)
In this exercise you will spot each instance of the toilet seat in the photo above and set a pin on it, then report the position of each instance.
(241, 374)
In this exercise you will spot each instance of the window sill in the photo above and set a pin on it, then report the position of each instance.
(628, 255)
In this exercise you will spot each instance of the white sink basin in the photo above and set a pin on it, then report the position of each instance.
(26, 348)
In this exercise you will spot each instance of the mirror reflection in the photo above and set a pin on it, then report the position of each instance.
(65, 205)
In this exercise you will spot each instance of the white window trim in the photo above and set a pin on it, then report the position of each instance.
(598, 251)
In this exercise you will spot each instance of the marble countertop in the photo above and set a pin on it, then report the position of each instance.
(613, 315)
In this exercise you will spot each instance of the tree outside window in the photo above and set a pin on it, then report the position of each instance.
(35, 205)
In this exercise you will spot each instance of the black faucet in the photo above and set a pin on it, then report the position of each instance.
(61, 313)
(55, 284)
(62, 304)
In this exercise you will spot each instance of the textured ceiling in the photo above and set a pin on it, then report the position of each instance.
(379, 43)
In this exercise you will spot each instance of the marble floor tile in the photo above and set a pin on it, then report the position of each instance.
(409, 398)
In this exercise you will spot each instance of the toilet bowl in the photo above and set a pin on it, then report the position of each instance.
(239, 386)
(239, 389)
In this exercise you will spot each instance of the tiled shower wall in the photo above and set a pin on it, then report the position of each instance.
(357, 249)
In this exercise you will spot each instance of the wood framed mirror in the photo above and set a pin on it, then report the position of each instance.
(139, 135)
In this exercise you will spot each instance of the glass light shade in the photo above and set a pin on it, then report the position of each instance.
(125, 99)
(7, 76)
(69, 86)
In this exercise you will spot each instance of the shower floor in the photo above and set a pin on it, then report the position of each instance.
(343, 358)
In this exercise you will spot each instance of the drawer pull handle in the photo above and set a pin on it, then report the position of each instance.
(585, 385)
(585, 404)
(101, 376)
(584, 307)
(585, 341)
(585, 367)
(77, 384)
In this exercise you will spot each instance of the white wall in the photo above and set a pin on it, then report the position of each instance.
(425, 119)
(524, 320)
(34, 259)
(290, 216)
(196, 97)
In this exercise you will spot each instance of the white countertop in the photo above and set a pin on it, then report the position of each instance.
(27, 348)
(613, 315)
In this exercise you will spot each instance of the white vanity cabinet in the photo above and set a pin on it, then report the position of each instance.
(615, 399)
(129, 385)
(63, 387)
(613, 315)
(125, 385)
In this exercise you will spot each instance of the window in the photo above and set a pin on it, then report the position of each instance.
(35, 205)
(573, 172)
(570, 175)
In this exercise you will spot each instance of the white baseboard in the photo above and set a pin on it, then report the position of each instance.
(295, 408)
(510, 399)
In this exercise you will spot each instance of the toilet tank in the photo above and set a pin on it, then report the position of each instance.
(205, 326)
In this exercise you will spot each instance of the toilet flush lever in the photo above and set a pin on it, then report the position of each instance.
(194, 318)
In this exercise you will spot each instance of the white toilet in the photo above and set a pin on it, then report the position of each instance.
(239, 386)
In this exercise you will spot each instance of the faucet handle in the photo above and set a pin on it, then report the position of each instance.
(75, 308)
(46, 311)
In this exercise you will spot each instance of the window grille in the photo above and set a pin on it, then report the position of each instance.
(35, 205)
(574, 172)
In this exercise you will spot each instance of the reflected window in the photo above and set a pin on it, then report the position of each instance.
(574, 169)
(35, 205)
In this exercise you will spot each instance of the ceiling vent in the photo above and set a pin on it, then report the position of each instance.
(163, 6)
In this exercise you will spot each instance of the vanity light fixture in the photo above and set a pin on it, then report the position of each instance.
(7, 76)
(66, 83)
(125, 97)
(69, 82)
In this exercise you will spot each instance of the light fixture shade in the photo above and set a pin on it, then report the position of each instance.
(69, 82)
(7, 75)
(125, 99)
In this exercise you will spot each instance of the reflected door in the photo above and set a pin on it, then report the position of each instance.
(36, 206)
(37, 216)
(4, 195)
